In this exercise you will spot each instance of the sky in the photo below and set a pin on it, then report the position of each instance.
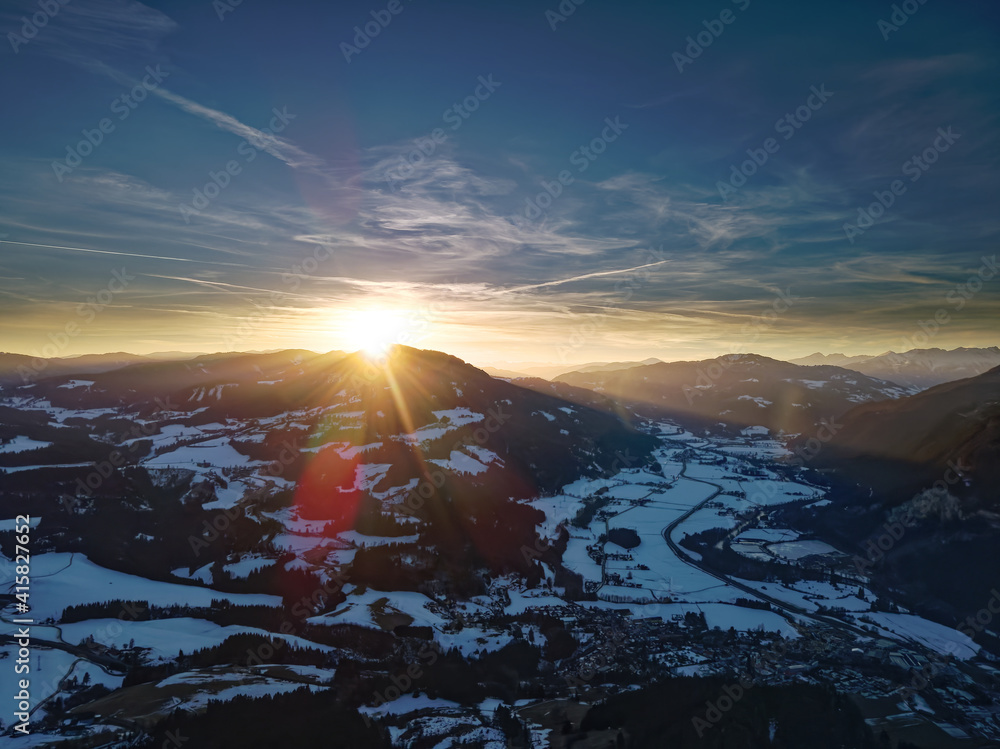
(504, 181)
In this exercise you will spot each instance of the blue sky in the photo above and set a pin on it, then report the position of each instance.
(323, 226)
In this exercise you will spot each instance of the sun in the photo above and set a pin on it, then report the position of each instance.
(374, 331)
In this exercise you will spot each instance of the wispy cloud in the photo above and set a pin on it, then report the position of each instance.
(96, 33)
(275, 145)
(99, 34)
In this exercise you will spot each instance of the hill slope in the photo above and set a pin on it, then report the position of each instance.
(926, 466)
(739, 390)
(330, 439)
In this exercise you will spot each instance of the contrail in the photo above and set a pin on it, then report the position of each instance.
(581, 278)
(124, 254)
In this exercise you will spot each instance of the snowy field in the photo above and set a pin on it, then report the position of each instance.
(61, 580)
(375, 609)
(937, 637)
(48, 668)
(641, 578)
(20, 444)
(800, 549)
(164, 637)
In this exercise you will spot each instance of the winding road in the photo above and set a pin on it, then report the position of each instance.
(108, 664)
(785, 609)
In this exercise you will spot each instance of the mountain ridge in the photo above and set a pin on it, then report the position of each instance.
(740, 390)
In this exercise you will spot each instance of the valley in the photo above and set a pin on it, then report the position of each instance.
(445, 556)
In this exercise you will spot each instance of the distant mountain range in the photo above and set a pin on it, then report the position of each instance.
(738, 390)
(915, 369)
(550, 371)
(20, 369)
(919, 368)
